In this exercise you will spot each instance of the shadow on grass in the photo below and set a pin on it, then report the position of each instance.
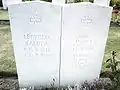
(4, 74)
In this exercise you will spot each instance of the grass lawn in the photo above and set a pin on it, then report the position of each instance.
(113, 44)
(3, 15)
(7, 61)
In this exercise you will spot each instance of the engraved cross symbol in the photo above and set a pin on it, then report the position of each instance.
(35, 20)
(86, 20)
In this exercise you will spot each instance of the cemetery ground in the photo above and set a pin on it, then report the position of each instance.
(7, 60)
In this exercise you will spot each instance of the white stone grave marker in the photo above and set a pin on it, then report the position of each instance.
(58, 42)
(84, 34)
(36, 39)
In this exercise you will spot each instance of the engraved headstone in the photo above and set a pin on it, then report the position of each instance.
(36, 39)
(60, 44)
(6, 3)
(85, 30)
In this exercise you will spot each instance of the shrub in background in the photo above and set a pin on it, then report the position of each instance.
(115, 4)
